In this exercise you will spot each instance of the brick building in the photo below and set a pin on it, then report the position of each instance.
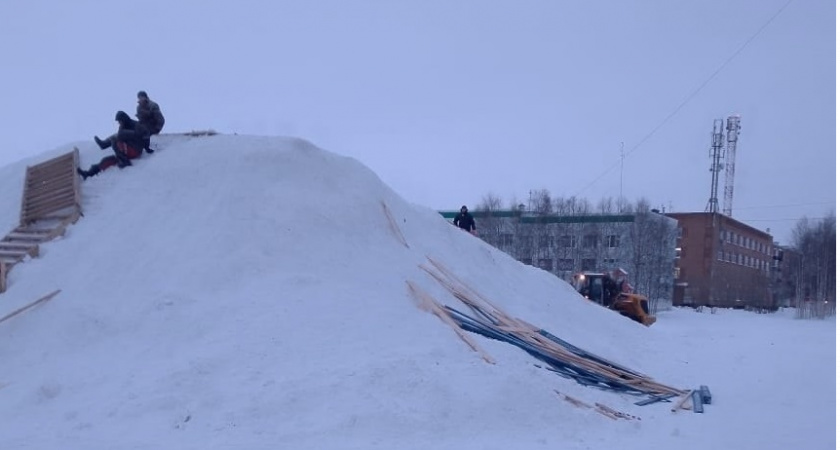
(722, 262)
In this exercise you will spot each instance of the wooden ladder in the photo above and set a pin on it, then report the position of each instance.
(51, 201)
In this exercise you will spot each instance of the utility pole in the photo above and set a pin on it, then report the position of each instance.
(621, 178)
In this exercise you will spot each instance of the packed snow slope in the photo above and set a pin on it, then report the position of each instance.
(249, 292)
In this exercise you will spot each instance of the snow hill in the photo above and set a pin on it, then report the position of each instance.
(245, 292)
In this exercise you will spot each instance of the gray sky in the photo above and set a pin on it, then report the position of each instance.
(448, 101)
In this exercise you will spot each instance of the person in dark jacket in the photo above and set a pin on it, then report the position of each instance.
(127, 144)
(465, 220)
(148, 113)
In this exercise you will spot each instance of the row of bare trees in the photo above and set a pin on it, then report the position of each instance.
(541, 202)
(815, 241)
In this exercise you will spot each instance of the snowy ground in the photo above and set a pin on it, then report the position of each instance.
(236, 292)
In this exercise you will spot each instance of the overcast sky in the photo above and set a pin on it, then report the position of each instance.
(451, 100)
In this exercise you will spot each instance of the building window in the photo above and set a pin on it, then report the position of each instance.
(590, 241)
(720, 255)
(565, 264)
(679, 253)
(546, 241)
(527, 261)
(567, 241)
(613, 240)
(546, 264)
(609, 262)
(677, 272)
(680, 232)
(587, 264)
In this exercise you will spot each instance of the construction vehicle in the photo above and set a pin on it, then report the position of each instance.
(613, 291)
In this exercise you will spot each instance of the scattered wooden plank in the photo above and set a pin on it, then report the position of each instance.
(697, 399)
(679, 405)
(572, 400)
(654, 399)
(3, 271)
(706, 394)
(392, 225)
(615, 413)
(427, 303)
(31, 305)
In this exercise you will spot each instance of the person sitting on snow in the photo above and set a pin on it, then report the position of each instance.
(127, 144)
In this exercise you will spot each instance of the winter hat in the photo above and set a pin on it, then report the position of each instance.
(122, 117)
(143, 94)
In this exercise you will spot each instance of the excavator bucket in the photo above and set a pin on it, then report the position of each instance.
(635, 307)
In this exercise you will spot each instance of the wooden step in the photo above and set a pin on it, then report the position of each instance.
(14, 253)
(28, 230)
(6, 245)
(9, 261)
(27, 237)
(31, 251)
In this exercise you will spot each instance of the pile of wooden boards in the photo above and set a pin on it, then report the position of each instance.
(559, 356)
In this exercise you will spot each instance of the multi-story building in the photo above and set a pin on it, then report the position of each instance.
(722, 262)
(642, 244)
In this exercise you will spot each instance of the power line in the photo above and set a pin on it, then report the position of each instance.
(785, 206)
(689, 98)
(780, 220)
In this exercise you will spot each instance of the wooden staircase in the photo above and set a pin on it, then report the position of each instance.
(51, 201)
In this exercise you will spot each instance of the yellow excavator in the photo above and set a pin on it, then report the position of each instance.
(612, 291)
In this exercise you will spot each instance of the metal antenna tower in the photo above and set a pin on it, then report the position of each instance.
(715, 153)
(733, 128)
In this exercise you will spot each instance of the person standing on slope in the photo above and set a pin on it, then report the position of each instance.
(148, 113)
(127, 144)
(464, 220)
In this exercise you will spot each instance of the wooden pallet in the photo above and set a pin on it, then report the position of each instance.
(51, 201)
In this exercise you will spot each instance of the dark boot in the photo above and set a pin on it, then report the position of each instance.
(102, 144)
(94, 169)
(147, 145)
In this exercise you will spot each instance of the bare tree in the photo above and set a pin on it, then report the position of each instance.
(816, 243)
(624, 206)
(573, 206)
(651, 256)
(607, 205)
(492, 226)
